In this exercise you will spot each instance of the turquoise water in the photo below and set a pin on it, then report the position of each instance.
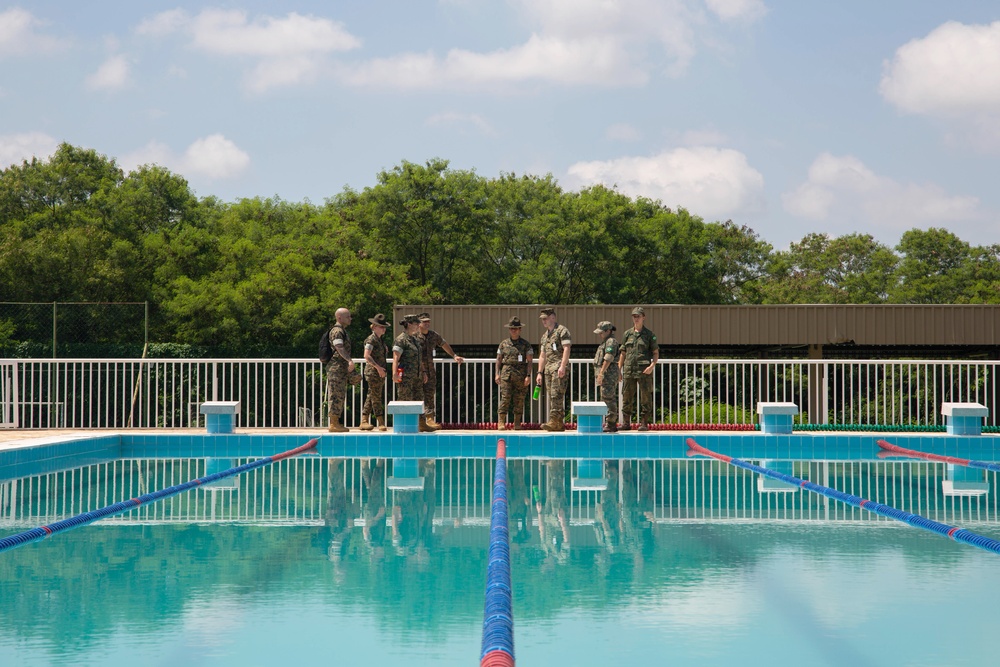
(320, 561)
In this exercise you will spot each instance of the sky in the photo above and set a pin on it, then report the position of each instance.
(789, 117)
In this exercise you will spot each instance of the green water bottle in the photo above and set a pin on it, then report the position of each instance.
(537, 392)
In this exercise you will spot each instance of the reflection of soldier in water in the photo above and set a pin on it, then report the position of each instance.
(413, 517)
(623, 516)
(518, 502)
(373, 478)
(340, 515)
(553, 522)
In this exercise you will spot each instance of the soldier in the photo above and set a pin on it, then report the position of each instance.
(553, 367)
(431, 340)
(407, 366)
(640, 352)
(339, 369)
(606, 368)
(375, 356)
(512, 374)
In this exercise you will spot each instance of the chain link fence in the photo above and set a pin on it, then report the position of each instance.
(73, 330)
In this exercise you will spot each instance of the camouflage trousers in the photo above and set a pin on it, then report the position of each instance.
(337, 379)
(430, 392)
(512, 393)
(411, 388)
(375, 400)
(555, 389)
(644, 384)
(609, 394)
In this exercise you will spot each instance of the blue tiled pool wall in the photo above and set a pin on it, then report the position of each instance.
(797, 446)
(73, 453)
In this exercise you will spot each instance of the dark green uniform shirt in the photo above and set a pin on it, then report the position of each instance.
(638, 348)
(514, 358)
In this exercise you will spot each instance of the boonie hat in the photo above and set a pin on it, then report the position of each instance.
(547, 311)
(604, 326)
(638, 311)
(514, 322)
(379, 320)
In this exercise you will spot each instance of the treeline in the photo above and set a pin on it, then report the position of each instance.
(263, 275)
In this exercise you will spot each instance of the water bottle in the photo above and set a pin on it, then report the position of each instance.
(537, 392)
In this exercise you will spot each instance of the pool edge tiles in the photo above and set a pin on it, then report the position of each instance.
(50, 453)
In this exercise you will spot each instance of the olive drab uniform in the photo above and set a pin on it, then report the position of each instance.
(410, 362)
(638, 348)
(609, 350)
(337, 376)
(514, 369)
(375, 401)
(553, 343)
(429, 343)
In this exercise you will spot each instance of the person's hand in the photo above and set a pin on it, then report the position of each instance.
(496, 378)
(425, 377)
(350, 366)
(649, 370)
(562, 371)
(539, 376)
(459, 360)
(600, 378)
(380, 370)
(527, 380)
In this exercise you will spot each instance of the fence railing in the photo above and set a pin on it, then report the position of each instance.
(289, 393)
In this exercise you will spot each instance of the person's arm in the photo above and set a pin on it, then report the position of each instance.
(447, 348)
(656, 357)
(338, 345)
(541, 362)
(527, 377)
(564, 364)
(378, 364)
(396, 353)
(499, 359)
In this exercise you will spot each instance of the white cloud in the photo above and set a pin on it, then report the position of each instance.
(706, 137)
(19, 34)
(843, 189)
(622, 132)
(952, 74)
(461, 121)
(571, 42)
(708, 181)
(15, 148)
(955, 70)
(214, 157)
(288, 50)
(112, 74)
(737, 10)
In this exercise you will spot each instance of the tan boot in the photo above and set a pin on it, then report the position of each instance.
(422, 426)
(557, 424)
(366, 425)
(335, 425)
(518, 418)
(501, 423)
(432, 424)
(381, 423)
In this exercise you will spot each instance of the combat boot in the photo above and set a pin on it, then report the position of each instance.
(627, 423)
(432, 424)
(422, 426)
(335, 425)
(381, 423)
(366, 425)
(554, 424)
(518, 418)
(643, 426)
(501, 423)
(610, 427)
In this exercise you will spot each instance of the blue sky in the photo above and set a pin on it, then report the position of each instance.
(790, 117)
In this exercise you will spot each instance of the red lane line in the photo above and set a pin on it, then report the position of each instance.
(921, 455)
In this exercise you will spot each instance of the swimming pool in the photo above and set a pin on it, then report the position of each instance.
(343, 557)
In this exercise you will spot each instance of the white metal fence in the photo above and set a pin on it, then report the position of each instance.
(288, 393)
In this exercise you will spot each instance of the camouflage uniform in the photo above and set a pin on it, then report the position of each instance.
(375, 401)
(430, 342)
(513, 371)
(337, 376)
(553, 343)
(638, 348)
(410, 355)
(609, 350)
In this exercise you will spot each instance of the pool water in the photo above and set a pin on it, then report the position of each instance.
(343, 561)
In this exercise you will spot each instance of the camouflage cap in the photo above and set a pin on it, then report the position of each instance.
(547, 311)
(409, 319)
(638, 311)
(604, 326)
(424, 317)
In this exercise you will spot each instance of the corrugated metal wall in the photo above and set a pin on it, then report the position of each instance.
(891, 325)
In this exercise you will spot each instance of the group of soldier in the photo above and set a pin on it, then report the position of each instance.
(629, 362)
